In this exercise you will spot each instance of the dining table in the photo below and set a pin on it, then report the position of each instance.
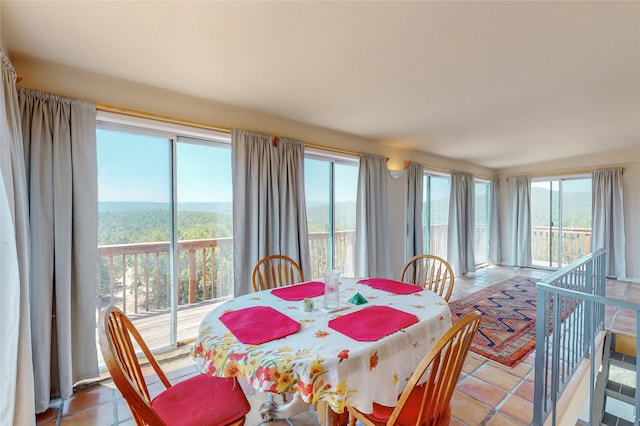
(285, 341)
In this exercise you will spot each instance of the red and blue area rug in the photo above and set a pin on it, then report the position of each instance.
(507, 333)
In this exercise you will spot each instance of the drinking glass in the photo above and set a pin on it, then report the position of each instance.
(331, 288)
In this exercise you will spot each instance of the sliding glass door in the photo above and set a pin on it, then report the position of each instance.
(134, 227)
(481, 227)
(165, 242)
(330, 190)
(435, 211)
(560, 220)
(204, 230)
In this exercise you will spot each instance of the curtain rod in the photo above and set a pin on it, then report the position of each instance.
(439, 169)
(333, 149)
(566, 173)
(139, 114)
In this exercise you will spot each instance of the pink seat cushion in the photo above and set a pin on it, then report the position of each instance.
(202, 400)
(409, 414)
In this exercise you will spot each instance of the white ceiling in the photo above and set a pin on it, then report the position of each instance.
(498, 84)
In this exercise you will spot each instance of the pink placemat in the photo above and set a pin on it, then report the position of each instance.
(372, 323)
(391, 286)
(258, 324)
(299, 291)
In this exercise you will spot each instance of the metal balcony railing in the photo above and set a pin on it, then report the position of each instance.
(570, 315)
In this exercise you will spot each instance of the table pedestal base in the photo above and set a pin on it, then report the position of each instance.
(271, 410)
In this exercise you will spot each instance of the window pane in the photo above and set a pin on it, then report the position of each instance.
(554, 217)
(560, 221)
(426, 216)
(346, 190)
(481, 222)
(439, 190)
(330, 191)
(576, 219)
(541, 236)
(317, 181)
(205, 232)
(134, 226)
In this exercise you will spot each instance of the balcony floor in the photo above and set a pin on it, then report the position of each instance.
(488, 393)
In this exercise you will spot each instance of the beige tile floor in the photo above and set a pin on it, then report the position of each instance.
(488, 393)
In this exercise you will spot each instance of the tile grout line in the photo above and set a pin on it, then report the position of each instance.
(115, 410)
(59, 417)
(509, 394)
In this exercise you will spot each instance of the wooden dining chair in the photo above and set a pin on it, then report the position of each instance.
(199, 400)
(275, 271)
(431, 272)
(427, 404)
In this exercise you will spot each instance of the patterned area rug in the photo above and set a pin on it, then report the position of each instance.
(507, 333)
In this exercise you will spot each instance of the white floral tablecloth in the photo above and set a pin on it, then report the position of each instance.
(318, 362)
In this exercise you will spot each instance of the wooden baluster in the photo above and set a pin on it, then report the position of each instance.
(157, 280)
(135, 283)
(204, 273)
(587, 243)
(111, 280)
(216, 260)
(225, 269)
(218, 274)
(146, 281)
(124, 284)
(192, 276)
(168, 280)
(214, 276)
(99, 281)
(230, 272)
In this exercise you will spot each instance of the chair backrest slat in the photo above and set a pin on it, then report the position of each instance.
(275, 271)
(442, 365)
(431, 272)
(117, 336)
(125, 352)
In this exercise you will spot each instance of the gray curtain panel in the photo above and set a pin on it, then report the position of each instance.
(607, 223)
(520, 221)
(269, 208)
(372, 218)
(494, 222)
(15, 332)
(414, 233)
(59, 136)
(460, 247)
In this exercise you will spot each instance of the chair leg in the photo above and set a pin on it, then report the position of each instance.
(352, 420)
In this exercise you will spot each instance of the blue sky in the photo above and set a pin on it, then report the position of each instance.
(134, 167)
(317, 181)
